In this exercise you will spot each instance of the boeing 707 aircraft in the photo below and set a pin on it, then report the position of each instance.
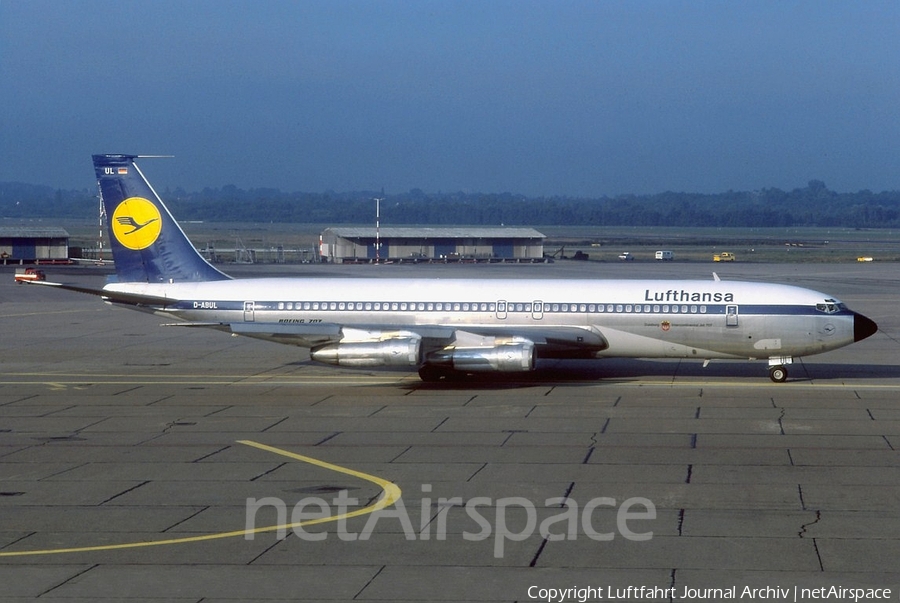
(447, 327)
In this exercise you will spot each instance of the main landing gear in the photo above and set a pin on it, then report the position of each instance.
(432, 374)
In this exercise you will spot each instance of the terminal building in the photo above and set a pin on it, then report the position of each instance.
(426, 244)
(28, 245)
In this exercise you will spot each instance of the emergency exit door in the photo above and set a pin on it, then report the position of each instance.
(731, 316)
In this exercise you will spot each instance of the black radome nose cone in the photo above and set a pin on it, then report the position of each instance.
(863, 327)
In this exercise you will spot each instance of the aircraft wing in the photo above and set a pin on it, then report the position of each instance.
(304, 335)
(551, 342)
(553, 339)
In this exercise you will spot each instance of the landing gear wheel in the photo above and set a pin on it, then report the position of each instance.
(778, 374)
(432, 374)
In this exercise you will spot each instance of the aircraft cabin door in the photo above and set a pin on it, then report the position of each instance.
(731, 316)
(537, 309)
(501, 309)
(249, 311)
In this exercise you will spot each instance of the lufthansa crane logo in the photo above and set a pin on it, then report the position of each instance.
(136, 223)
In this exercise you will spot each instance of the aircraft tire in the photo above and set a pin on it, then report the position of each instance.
(778, 374)
(432, 374)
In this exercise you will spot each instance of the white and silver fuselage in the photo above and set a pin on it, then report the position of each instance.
(624, 318)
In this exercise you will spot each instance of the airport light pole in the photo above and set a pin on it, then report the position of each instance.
(378, 201)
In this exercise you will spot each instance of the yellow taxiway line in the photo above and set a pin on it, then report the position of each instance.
(390, 494)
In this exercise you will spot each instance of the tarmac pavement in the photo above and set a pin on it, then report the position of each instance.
(134, 458)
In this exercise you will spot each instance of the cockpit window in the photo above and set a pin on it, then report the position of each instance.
(830, 306)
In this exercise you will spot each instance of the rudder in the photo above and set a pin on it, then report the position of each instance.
(148, 244)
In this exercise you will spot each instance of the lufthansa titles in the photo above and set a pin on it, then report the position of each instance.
(683, 295)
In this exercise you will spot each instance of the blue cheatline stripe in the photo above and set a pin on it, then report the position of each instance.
(511, 307)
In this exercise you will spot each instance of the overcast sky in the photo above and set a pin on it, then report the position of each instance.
(539, 98)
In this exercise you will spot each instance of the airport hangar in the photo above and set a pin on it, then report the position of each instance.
(28, 245)
(427, 244)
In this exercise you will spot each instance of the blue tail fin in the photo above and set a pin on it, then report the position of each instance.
(147, 243)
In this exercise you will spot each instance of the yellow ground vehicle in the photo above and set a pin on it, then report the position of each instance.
(725, 256)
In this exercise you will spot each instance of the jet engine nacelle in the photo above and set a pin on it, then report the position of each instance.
(515, 357)
(400, 351)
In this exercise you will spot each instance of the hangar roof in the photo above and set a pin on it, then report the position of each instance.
(32, 232)
(428, 232)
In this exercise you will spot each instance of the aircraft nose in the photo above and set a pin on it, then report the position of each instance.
(863, 327)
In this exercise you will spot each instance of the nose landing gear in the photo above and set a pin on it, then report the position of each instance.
(778, 373)
(778, 368)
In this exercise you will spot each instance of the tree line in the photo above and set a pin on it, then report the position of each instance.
(814, 205)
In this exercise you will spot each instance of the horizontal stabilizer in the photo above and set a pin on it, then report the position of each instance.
(134, 299)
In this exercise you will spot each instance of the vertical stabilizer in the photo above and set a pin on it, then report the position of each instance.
(147, 243)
